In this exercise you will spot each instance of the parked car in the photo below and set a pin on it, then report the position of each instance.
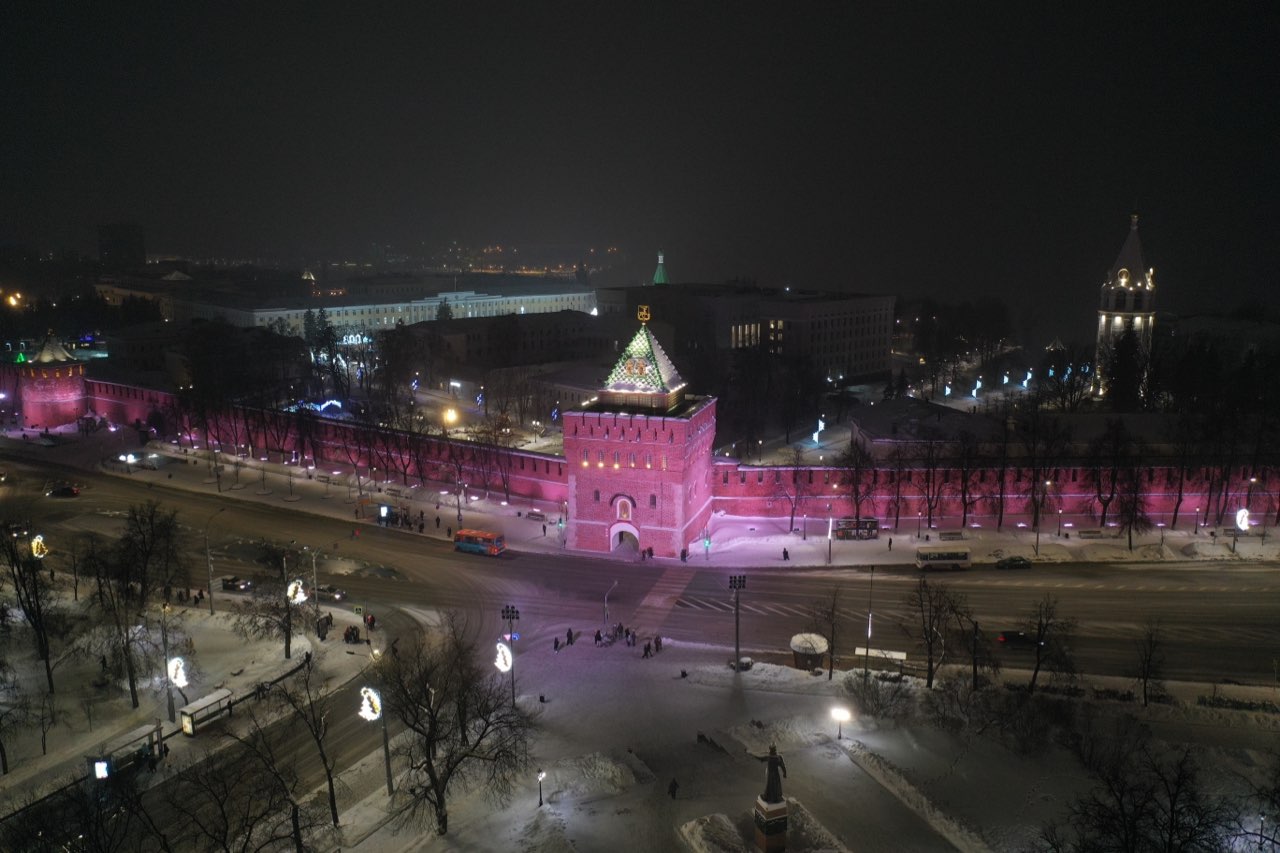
(65, 491)
(1017, 639)
(235, 584)
(329, 592)
(1014, 563)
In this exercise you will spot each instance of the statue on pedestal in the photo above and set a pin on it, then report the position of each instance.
(773, 782)
(771, 807)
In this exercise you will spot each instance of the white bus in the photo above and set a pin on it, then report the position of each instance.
(942, 557)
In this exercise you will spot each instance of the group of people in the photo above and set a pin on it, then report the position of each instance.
(193, 597)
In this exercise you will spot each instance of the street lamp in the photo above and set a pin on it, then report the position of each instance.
(512, 615)
(1039, 507)
(737, 583)
(919, 520)
(1059, 522)
(1196, 531)
(371, 710)
(164, 642)
(315, 584)
(841, 716)
(542, 774)
(606, 602)
(830, 525)
(866, 658)
(804, 535)
(208, 558)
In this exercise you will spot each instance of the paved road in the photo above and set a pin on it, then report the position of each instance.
(1218, 620)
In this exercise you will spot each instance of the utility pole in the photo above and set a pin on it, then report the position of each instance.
(866, 653)
(737, 583)
(208, 557)
(512, 615)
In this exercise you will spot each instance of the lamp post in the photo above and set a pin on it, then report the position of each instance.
(919, 521)
(804, 535)
(606, 602)
(1059, 523)
(512, 615)
(164, 642)
(1196, 530)
(737, 583)
(866, 658)
(1039, 506)
(841, 716)
(542, 774)
(830, 525)
(371, 710)
(315, 584)
(208, 558)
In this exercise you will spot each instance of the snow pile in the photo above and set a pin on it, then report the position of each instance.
(757, 736)
(805, 833)
(544, 834)
(588, 775)
(769, 676)
(717, 834)
(893, 781)
(712, 834)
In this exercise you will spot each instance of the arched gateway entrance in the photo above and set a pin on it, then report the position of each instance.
(623, 536)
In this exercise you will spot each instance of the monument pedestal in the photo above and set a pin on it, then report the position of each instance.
(771, 826)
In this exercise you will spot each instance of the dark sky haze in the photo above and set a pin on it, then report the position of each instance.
(912, 148)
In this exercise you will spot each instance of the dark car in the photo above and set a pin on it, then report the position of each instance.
(235, 584)
(64, 492)
(1017, 639)
(329, 592)
(1014, 563)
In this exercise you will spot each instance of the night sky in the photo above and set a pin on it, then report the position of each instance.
(911, 148)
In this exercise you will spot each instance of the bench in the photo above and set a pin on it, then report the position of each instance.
(950, 535)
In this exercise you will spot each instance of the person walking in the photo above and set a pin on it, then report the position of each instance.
(555, 644)
(673, 787)
(568, 637)
(890, 543)
(437, 522)
(544, 530)
(599, 637)
(648, 649)
(657, 644)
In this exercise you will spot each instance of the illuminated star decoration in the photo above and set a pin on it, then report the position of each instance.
(39, 550)
(296, 593)
(1242, 518)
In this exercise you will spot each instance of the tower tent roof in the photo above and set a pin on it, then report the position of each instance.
(1130, 257)
(52, 352)
(660, 274)
(644, 367)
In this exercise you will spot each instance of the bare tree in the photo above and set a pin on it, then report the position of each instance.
(269, 613)
(1051, 634)
(303, 697)
(791, 482)
(1143, 799)
(280, 782)
(934, 608)
(858, 475)
(970, 463)
(151, 551)
(15, 712)
(1131, 508)
(463, 729)
(36, 598)
(1149, 663)
(824, 616)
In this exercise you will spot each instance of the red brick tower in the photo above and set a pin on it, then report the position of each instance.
(639, 457)
(51, 386)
